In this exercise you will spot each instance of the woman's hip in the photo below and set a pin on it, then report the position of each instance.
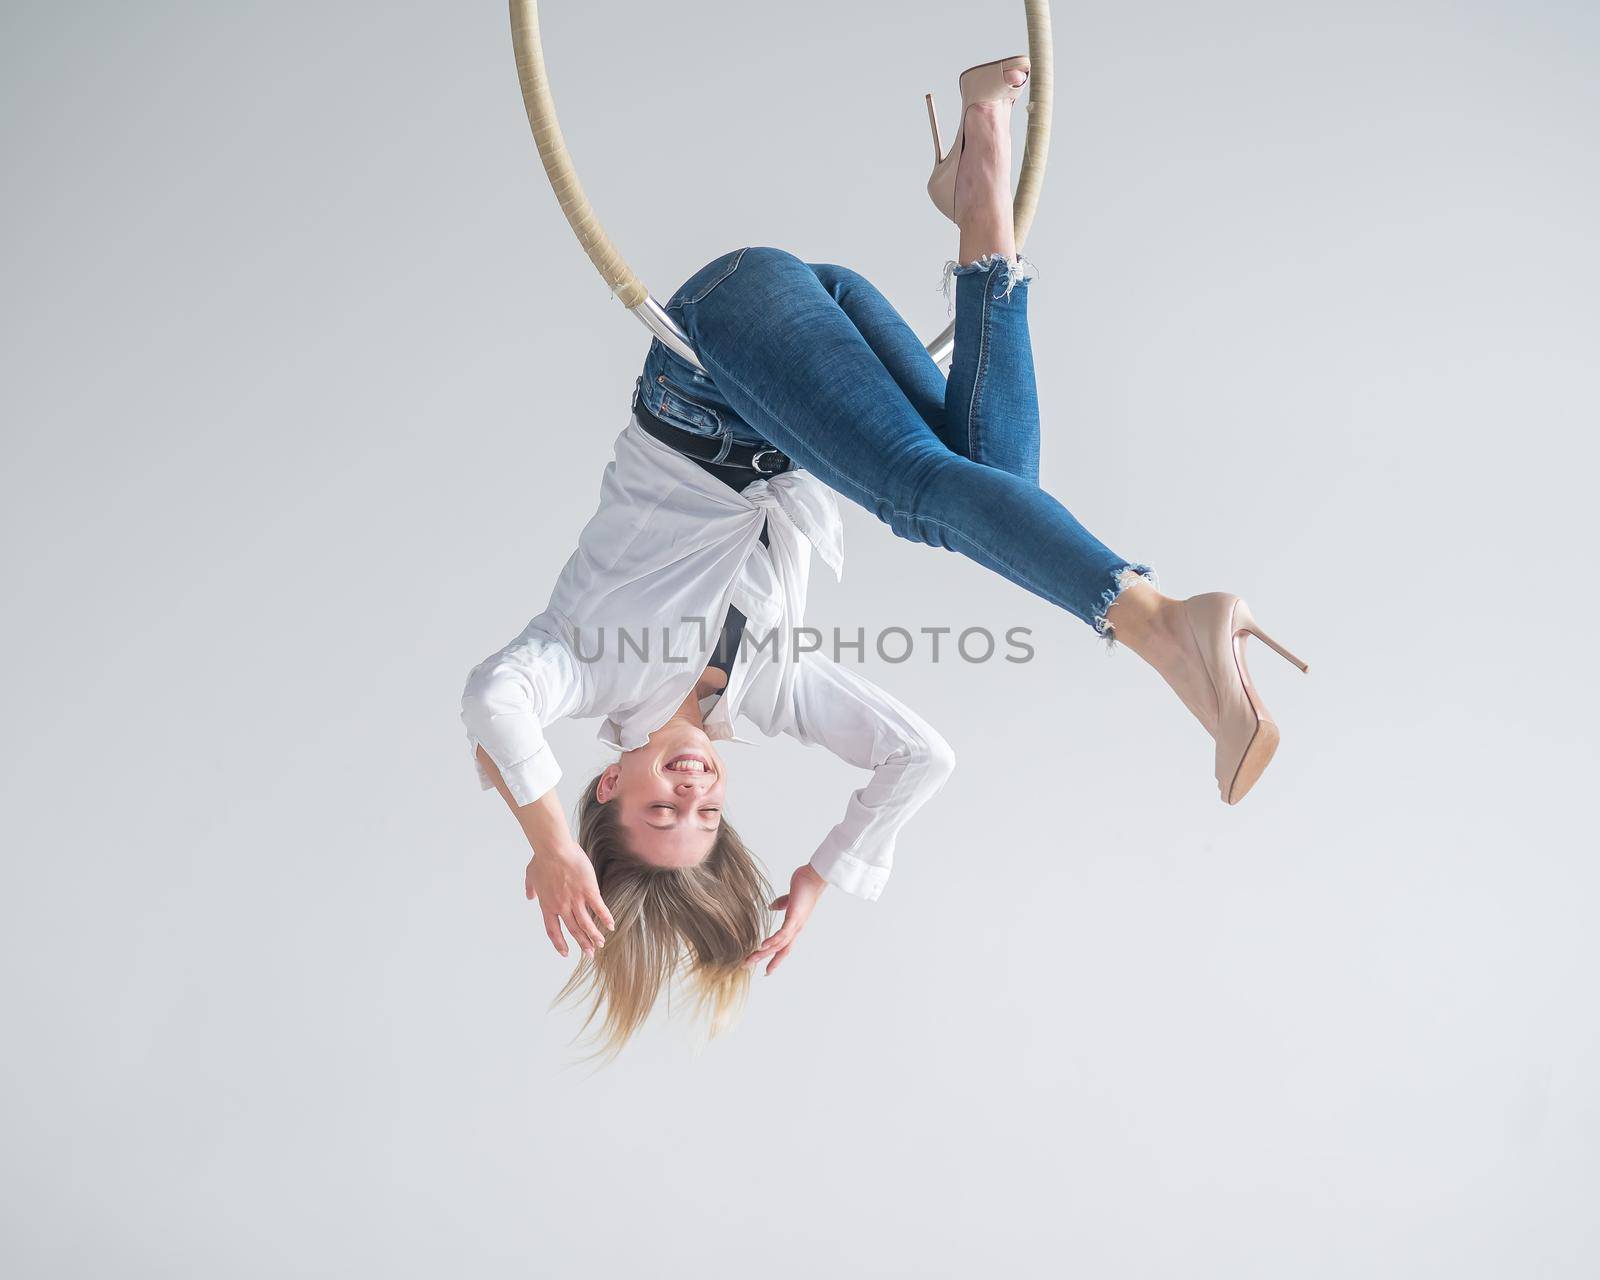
(714, 305)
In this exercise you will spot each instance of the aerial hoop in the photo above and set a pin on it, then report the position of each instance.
(630, 291)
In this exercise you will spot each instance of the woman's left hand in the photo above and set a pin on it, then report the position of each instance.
(805, 887)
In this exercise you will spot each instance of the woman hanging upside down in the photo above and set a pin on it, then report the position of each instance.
(664, 620)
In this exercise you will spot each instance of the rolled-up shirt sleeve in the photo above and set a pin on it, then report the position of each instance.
(836, 708)
(509, 699)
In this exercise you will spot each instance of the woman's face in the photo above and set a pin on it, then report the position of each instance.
(669, 795)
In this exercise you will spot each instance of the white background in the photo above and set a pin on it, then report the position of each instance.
(306, 391)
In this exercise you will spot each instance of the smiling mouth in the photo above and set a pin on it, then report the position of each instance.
(690, 762)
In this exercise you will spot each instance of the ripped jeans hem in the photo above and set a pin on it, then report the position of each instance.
(1121, 580)
(1015, 272)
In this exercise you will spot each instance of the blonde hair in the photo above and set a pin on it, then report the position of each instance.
(700, 922)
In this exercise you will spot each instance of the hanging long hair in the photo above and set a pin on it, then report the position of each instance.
(698, 923)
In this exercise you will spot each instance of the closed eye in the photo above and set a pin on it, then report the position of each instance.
(713, 812)
(664, 826)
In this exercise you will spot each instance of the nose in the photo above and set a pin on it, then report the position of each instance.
(690, 785)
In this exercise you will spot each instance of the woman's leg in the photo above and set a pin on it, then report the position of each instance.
(992, 402)
(826, 372)
(1161, 630)
(987, 410)
(793, 365)
(817, 361)
(890, 338)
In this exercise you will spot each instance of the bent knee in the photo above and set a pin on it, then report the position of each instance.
(767, 257)
(764, 266)
(842, 281)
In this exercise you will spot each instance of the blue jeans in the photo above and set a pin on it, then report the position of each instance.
(812, 359)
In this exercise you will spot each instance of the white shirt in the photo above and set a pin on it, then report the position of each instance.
(658, 564)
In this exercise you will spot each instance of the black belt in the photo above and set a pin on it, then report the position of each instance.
(758, 459)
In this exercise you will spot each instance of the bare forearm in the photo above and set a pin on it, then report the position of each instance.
(542, 822)
(559, 876)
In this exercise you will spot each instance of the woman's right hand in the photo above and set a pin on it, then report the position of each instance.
(563, 882)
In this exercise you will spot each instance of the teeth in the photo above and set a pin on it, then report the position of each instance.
(686, 764)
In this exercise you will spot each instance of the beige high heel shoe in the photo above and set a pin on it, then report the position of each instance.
(1245, 732)
(985, 82)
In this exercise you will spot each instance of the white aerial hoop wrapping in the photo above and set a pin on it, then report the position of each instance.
(609, 262)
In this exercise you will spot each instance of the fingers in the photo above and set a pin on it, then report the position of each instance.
(777, 955)
(785, 935)
(552, 928)
(780, 941)
(603, 912)
(580, 924)
(584, 929)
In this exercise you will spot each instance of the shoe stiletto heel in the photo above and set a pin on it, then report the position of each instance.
(1249, 624)
(1245, 733)
(933, 123)
(985, 82)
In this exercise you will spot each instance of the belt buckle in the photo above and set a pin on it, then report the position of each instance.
(755, 460)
